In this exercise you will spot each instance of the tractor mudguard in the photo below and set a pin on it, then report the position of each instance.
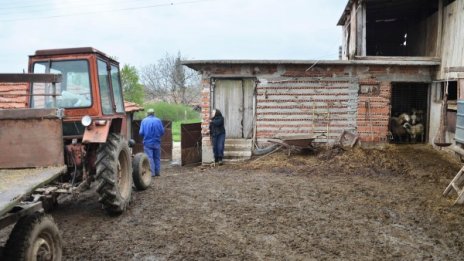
(96, 133)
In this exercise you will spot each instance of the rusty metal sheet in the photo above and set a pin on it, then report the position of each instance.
(27, 113)
(96, 134)
(190, 143)
(166, 141)
(29, 142)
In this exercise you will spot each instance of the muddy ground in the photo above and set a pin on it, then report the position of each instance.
(352, 205)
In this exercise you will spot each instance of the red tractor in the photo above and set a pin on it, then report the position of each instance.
(75, 132)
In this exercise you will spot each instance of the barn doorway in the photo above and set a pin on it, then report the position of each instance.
(235, 99)
(411, 99)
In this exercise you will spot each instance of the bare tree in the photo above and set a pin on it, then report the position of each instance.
(168, 80)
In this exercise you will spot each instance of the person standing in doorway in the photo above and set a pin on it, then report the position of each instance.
(152, 130)
(217, 133)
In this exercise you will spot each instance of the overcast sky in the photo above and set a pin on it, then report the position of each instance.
(139, 32)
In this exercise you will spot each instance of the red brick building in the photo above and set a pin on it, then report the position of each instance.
(267, 99)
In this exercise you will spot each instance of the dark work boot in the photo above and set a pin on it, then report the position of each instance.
(216, 159)
(220, 161)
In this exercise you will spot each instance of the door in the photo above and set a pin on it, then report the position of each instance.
(190, 143)
(234, 98)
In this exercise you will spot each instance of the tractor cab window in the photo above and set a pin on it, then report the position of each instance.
(105, 92)
(73, 92)
(115, 83)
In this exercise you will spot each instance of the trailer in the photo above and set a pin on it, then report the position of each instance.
(31, 146)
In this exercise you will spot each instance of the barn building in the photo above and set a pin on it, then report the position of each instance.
(397, 56)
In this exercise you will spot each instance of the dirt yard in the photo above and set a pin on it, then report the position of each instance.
(353, 205)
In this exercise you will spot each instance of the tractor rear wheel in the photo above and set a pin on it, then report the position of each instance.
(34, 237)
(141, 173)
(114, 174)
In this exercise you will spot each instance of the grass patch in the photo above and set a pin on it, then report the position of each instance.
(176, 128)
(176, 113)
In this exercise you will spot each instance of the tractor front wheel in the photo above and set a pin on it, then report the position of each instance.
(114, 174)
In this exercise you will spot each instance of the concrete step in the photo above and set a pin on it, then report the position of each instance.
(238, 147)
(237, 154)
(236, 150)
(238, 141)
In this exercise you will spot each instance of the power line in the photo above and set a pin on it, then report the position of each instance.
(107, 11)
(48, 6)
(63, 6)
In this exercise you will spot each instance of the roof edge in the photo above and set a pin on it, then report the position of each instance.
(405, 61)
(67, 51)
(346, 11)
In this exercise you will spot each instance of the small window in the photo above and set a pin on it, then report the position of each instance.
(105, 93)
(117, 92)
(440, 90)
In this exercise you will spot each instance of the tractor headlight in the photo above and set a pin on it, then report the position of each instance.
(86, 121)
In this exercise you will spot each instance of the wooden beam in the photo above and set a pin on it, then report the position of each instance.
(30, 77)
(359, 28)
(439, 28)
(353, 32)
(461, 89)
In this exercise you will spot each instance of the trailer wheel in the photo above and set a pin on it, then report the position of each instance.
(141, 173)
(34, 237)
(114, 174)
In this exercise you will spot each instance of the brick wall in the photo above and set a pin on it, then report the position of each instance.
(374, 112)
(12, 95)
(205, 106)
(287, 95)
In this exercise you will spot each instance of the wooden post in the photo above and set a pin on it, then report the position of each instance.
(353, 31)
(461, 89)
(438, 47)
(361, 29)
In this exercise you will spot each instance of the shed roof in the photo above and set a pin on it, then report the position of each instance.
(367, 60)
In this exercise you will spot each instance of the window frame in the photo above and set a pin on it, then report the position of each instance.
(120, 88)
(110, 88)
(49, 62)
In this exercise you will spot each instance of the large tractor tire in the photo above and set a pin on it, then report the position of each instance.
(114, 174)
(34, 237)
(141, 172)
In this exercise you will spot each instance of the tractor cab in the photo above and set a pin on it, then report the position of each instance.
(90, 92)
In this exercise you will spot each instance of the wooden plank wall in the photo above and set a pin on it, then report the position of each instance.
(12, 95)
(305, 106)
(453, 39)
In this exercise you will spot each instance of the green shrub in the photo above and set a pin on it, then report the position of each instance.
(170, 112)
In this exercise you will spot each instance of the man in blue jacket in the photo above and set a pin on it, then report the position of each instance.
(152, 130)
